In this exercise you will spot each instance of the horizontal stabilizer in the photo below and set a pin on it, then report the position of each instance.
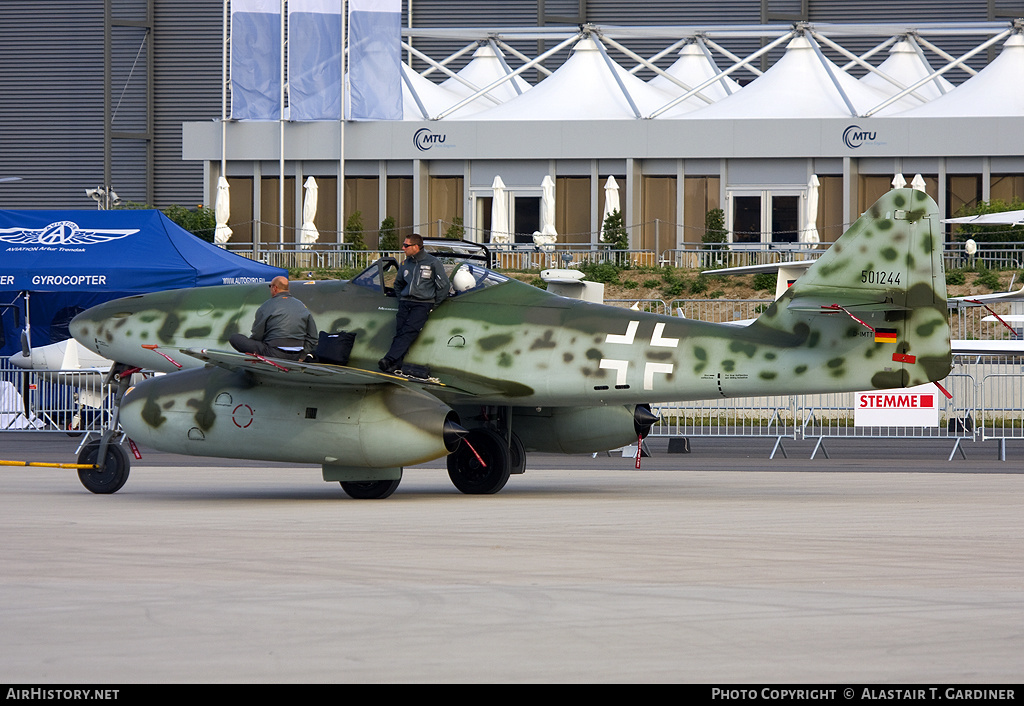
(830, 305)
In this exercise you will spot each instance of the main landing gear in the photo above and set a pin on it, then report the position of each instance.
(484, 461)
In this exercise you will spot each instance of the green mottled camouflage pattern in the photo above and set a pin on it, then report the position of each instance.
(513, 344)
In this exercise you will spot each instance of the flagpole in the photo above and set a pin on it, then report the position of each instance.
(224, 95)
(339, 236)
(280, 200)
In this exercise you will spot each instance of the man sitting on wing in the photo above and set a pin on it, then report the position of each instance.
(283, 327)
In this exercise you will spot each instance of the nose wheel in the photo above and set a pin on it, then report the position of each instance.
(108, 476)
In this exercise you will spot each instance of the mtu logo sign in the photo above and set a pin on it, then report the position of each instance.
(855, 136)
(424, 139)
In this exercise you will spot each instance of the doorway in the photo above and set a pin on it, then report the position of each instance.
(765, 215)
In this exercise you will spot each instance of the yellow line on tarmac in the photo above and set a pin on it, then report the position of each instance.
(49, 465)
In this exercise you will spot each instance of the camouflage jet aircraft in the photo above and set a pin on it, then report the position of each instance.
(512, 368)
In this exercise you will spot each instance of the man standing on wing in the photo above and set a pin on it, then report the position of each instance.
(421, 285)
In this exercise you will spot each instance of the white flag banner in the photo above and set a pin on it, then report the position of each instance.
(375, 60)
(314, 59)
(256, 59)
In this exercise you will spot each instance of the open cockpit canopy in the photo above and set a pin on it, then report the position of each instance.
(467, 265)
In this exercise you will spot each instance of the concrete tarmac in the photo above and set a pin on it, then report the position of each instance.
(885, 563)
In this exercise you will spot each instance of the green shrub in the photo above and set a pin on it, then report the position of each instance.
(200, 222)
(388, 236)
(699, 284)
(714, 227)
(354, 231)
(765, 281)
(954, 277)
(987, 278)
(604, 272)
(676, 287)
(455, 231)
(614, 231)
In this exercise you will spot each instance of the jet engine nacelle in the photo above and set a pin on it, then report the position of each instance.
(216, 412)
(581, 429)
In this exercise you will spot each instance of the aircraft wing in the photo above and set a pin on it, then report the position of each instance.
(965, 347)
(770, 267)
(1008, 218)
(319, 374)
(982, 299)
(826, 303)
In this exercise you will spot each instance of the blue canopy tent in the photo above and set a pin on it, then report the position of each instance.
(63, 262)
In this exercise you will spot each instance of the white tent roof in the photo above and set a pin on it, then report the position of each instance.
(796, 86)
(583, 88)
(692, 68)
(995, 90)
(434, 98)
(907, 66)
(484, 69)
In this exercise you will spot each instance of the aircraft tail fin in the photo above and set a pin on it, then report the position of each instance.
(877, 297)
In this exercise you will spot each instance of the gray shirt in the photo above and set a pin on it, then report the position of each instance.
(285, 322)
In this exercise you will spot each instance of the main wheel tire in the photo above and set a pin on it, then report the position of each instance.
(471, 476)
(370, 489)
(113, 475)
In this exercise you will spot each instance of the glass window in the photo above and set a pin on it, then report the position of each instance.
(746, 219)
(468, 277)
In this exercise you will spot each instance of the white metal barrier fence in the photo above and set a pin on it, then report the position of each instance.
(53, 400)
(981, 406)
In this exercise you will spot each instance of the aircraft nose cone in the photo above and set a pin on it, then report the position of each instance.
(82, 324)
(20, 360)
(644, 419)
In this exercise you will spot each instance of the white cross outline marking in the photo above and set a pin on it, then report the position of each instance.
(651, 368)
(657, 340)
(627, 338)
(619, 366)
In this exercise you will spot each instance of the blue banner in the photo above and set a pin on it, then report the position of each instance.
(314, 59)
(375, 60)
(256, 59)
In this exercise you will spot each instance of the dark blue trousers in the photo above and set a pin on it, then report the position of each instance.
(412, 317)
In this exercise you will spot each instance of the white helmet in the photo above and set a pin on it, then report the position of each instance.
(463, 280)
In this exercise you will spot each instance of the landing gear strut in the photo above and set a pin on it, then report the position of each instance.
(111, 461)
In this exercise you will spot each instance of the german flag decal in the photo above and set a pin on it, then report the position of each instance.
(885, 335)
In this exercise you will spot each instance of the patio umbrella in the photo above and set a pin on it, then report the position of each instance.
(309, 232)
(611, 198)
(547, 235)
(499, 213)
(898, 182)
(222, 211)
(917, 182)
(810, 233)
